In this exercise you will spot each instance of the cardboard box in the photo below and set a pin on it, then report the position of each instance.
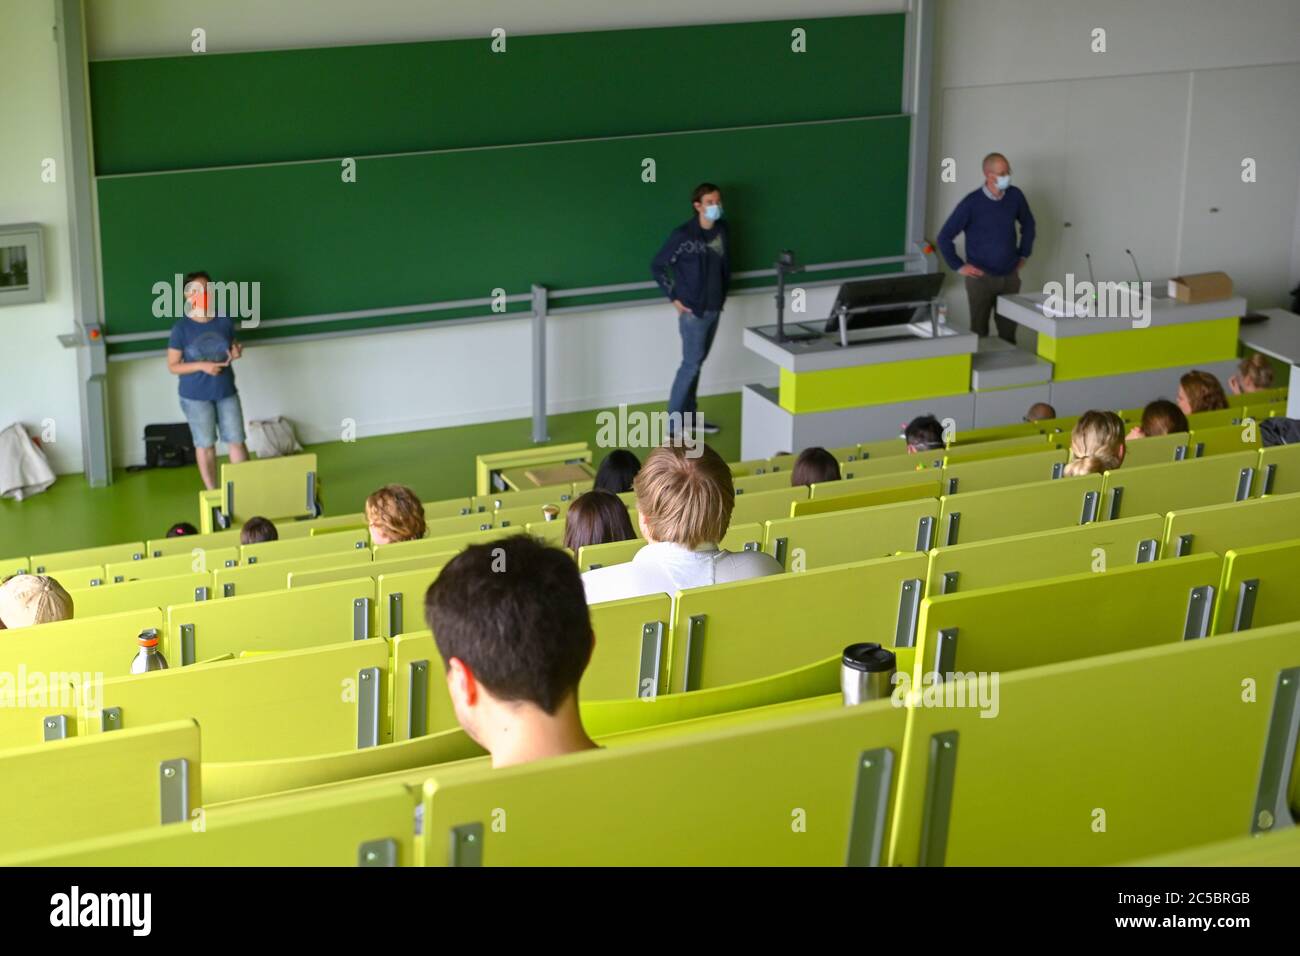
(1200, 287)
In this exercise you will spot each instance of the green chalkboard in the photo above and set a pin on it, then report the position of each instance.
(217, 109)
(458, 224)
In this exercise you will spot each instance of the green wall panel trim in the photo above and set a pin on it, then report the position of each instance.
(452, 225)
(1140, 350)
(888, 382)
(219, 109)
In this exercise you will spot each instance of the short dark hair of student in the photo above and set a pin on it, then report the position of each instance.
(597, 517)
(258, 529)
(703, 189)
(180, 529)
(514, 612)
(814, 465)
(924, 432)
(616, 471)
(191, 276)
(1163, 417)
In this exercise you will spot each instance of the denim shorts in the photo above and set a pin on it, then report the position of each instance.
(205, 416)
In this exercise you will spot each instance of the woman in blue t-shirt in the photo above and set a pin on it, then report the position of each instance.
(200, 351)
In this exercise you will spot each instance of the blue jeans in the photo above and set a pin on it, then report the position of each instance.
(204, 417)
(697, 333)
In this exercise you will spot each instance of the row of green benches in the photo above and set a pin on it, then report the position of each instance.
(1089, 762)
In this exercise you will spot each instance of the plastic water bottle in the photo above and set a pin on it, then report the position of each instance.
(148, 658)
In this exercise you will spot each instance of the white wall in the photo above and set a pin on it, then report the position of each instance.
(38, 377)
(1133, 146)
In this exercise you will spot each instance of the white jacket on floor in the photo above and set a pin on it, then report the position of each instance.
(24, 469)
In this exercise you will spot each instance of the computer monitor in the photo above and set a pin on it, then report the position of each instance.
(867, 301)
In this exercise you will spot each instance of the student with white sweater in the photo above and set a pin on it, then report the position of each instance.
(684, 498)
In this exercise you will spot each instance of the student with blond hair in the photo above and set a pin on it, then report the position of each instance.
(1254, 373)
(395, 513)
(684, 499)
(1200, 392)
(28, 599)
(1096, 444)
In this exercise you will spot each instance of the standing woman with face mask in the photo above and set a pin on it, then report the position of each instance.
(693, 268)
(988, 217)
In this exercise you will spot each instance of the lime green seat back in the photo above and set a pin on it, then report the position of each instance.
(276, 705)
(870, 483)
(90, 786)
(276, 621)
(1260, 586)
(195, 561)
(460, 524)
(612, 552)
(262, 577)
(762, 505)
(266, 552)
(307, 578)
(1086, 764)
(274, 488)
(1060, 619)
(981, 475)
(1280, 848)
(707, 799)
(1099, 545)
(1155, 450)
(84, 557)
(187, 543)
(525, 497)
(1224, 439)
(838, 537)
(770, 481)
(728, 633)
(1017, 509)
(401, 599)
(1159, 489)
(151, 592)
(1280, 470)
(1240, 524)
(73, 579)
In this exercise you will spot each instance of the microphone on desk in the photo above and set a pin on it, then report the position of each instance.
(1088, 256)
(1135, 266)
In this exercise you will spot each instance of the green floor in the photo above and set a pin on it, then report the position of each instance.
(436, 464)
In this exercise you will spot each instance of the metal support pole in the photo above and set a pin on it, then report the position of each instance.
(539, 365)
(78, 179)
(918, 62)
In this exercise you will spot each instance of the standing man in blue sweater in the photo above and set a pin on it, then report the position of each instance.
(693, 268)
(988, 217)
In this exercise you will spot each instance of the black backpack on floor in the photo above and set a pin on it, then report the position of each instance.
(168, 446)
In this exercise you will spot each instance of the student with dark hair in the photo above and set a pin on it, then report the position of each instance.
(181, 529)
(1040, 411)
(814, 466)
(923, 433)
(1200, 391)
(693, 268)
(258, 529)
(1161, 417)
(199, 352)
(597, 517)
(616, 471)
(512, 627)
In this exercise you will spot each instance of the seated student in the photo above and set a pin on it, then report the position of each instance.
(181, 529)
(1200, 392)
(814, 465)
(1161, 417)
(394, 513)
(27, 599)
(258, 529)
(923, 433)
(1040, 411)
(515, 637)
(1096, 444)
(1253, 374)
(616, 471)
(684, 504)
(596, 517)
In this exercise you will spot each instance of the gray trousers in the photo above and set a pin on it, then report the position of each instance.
(982, 293)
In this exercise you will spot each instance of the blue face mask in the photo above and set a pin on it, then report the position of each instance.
(1003, 182)
(713, 212)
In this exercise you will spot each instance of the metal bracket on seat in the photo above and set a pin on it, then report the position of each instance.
(948, 583)
(1244, 481)
(870, 807)
(55, 727)
(360, 618)
(110, 718)
(1271, 806)
(752, 546)
(779, 550)
(201, 593)
(652, 644)
(228, 589)
(1247, 591)
(1200, 449)
(1269, 471)
(1146, 551)
(1058, 469)
(950, 532)
(924, 533)
(945, 652)
(940, 777)
(909, 607)
(694, 649)
(395, 614)
(1199, 603)
(311, 493)
(1180, 453)
(1184, 545)
(367, 707)
(187, 644)
(952, 486)
(174, 790)
(417, 700)
(377, 853)
(466, 845)
(1092, 505)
